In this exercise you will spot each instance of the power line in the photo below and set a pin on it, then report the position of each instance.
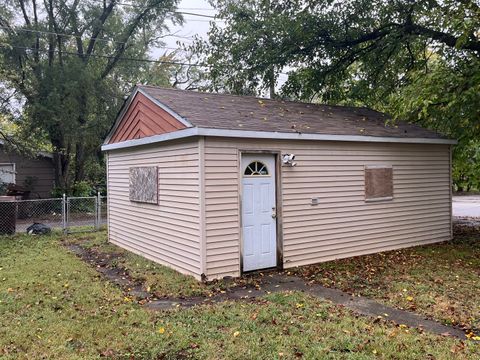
(113, 57)
(196, 9)
(105, 56)
(179, 12)
(194, 14)
(75, 36)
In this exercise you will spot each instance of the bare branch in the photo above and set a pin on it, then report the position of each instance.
(98, 27)
(128, 33)
(24, 12)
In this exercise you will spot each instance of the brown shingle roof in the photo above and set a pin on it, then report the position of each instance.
(231, 112)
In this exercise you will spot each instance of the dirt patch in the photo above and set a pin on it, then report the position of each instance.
(105, 264)
(264, 284)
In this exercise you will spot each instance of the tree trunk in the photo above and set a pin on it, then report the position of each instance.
(61, 159)
(80, 161)
(271, 86)
(61, 164)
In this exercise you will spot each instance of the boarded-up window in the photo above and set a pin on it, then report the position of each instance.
(7, 173)
(378, 182)
(144, 184)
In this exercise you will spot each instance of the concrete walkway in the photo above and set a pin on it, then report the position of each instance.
(280, 283)
(270, 284)
(466, 206)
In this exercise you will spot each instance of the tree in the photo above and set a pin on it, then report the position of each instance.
(419, 60)
(67, 63)
(175, 70)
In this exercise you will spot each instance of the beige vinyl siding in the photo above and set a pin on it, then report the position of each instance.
(342, 224)
(167, 233)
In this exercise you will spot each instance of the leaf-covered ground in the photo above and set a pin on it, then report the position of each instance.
(441, 281)
(158, 280)
(55, 306)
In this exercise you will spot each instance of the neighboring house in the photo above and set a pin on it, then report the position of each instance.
(35, 175)
(206, 183)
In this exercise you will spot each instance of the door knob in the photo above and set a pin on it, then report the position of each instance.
(274, 212)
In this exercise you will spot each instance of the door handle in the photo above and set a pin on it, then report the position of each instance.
(274, 212)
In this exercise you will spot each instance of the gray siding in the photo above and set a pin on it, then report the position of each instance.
(168, 233)
(343, 224)
(40, 169)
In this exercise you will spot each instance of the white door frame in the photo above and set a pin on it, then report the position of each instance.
(278, 197)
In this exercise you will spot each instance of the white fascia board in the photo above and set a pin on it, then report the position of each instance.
(194, 131)
(179, 134)
(324, 137)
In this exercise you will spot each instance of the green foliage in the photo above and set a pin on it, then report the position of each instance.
(466, 167)
(418, 60)
(61, 63)
(57, 192)
(29, 182)
(446, 98)
(79, 188)
(82, 188)
(3, 188)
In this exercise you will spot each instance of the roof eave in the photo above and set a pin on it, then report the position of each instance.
(196, 131)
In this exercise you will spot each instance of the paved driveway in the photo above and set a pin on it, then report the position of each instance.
(466, 206)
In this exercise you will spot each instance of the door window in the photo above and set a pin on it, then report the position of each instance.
(256, 168)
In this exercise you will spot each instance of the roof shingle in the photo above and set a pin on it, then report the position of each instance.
(219, 111)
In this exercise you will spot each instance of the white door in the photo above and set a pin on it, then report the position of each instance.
(259, 224)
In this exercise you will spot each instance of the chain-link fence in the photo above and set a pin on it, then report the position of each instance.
(71, 214)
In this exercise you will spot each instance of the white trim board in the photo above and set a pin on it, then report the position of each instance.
(196, 131)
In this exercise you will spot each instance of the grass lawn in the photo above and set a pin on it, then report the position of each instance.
(161, 281)
(441, 281)
(55, 306)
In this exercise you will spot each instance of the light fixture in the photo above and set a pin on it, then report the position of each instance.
(287, 160)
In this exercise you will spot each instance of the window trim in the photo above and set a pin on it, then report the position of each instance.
(14, 173)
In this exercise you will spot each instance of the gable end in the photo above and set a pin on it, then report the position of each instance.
(143, 118)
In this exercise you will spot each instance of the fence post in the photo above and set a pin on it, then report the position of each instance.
(64, 213)
(99, 210)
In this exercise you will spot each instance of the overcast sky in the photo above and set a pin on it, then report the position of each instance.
(193, 25)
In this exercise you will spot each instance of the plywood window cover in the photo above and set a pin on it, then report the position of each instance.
(143, 184)
(378, 183)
